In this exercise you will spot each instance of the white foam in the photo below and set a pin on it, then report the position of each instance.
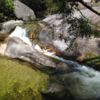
(22, 34)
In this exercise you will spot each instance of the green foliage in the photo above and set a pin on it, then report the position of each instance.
(82, 27)
(18, 81)
(48, 6)
(54, 5)
(6, 9)
(89, 55)
(8, 4)
(86, 28)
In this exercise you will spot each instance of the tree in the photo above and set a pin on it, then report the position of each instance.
(84, 4)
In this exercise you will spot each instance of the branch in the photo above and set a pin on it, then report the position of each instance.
(84, 4)
(87, 6)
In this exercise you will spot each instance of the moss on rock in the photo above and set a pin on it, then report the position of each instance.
(20, 82)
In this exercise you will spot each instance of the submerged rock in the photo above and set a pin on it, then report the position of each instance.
(60, 27)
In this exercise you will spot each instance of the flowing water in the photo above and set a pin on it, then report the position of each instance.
(83, 82)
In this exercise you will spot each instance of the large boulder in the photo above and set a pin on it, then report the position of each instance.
(62, 39)
(22, 11)
(60, 26)
(16, 48)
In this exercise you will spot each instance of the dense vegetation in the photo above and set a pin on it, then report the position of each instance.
(6, 10)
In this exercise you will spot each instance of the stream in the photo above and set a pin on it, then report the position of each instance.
(81, 81)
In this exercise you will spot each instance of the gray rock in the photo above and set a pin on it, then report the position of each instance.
(95, 19)
(10, 25)
(88, 48)
(59, 27)
(22, 11)
(16, 48)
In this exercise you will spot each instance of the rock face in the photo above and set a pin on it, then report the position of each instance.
(18, 45)
(82, 46)
(22, 11)
(59, 27)
(54, 31)
(91, 16)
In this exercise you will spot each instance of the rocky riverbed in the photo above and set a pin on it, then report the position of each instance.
(42, 60)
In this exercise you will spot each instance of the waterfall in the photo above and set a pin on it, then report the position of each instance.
(22, 34)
